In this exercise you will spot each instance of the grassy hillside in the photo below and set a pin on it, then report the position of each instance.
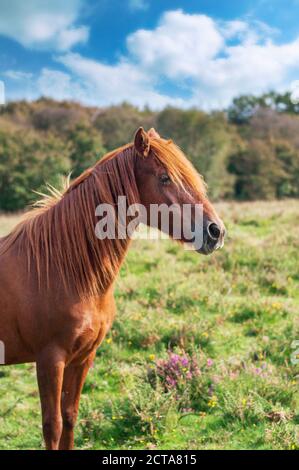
(229, 320)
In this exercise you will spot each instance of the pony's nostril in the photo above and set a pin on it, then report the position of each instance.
(214, 231)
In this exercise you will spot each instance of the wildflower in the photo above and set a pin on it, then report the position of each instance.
(244, 402)
(210, 362)
(174, 358)
(205, 334)
(170, 381)
(184, 361)
(152, 357)
(213, 402)
(175, 371)
(109, 340)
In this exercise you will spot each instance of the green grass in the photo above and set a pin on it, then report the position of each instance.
(236, 312)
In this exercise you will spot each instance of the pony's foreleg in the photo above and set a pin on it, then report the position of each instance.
(50, 368)
(73, 381)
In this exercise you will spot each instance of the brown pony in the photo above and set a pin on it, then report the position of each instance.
(57, 277)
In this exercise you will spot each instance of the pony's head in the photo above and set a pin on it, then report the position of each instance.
(165, 177)
(60, 236)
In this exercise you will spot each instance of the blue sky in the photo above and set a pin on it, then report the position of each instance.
(149, 52)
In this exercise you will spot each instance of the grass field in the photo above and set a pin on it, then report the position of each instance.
(229, 321)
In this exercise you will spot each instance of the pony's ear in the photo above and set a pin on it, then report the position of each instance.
(153, 134)
(141, 142)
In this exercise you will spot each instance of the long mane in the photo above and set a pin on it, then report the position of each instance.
(58, 235)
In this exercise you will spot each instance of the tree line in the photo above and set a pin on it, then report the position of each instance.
(249, 151)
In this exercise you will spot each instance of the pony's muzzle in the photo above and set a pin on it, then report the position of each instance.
(213, 237)
(214, 231)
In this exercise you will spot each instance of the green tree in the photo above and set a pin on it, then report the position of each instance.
(288, 158)
(119, 123)
(243, 108)
(27, 162)
(258, 172)
(86, 147)
(207, 139)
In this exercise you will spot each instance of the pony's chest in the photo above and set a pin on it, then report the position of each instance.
(91, 322)
(89, 333)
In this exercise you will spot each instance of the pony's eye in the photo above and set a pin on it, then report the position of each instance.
(165, 179)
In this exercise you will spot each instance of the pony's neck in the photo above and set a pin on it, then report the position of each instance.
(99, 260)
(60, 236)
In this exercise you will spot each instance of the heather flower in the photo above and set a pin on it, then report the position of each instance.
(174, 358)
(175, 371)
(185, 361)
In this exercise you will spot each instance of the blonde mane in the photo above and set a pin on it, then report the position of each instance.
(58, 234)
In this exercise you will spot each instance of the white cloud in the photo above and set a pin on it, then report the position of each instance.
(179, 46)
(17, 75)
(43, 25)
(247, 32)
(55, 81)
(67, 38)
(103, 84)
(203, 61)
(218, 60)
(247, 68)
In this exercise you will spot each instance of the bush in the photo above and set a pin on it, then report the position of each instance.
(27, 162)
